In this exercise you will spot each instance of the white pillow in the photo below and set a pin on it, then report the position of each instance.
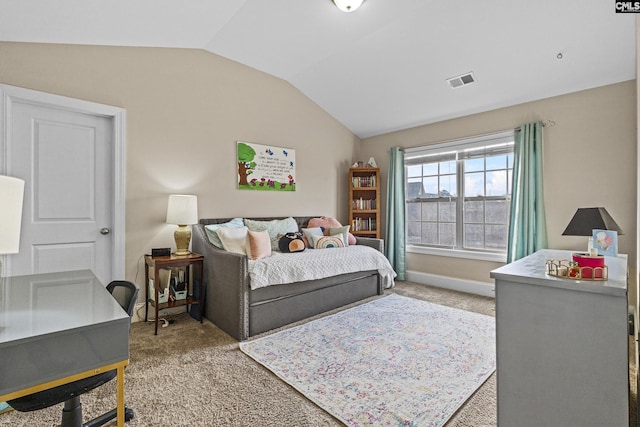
(310, 232)
(234, 239)
(343, 231)
(212, 228)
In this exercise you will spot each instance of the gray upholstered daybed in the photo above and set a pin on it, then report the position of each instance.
(242, 312)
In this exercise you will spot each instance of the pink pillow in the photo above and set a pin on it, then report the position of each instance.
(258, 244)
(327, 223)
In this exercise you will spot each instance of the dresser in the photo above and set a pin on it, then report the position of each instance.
(562, 345)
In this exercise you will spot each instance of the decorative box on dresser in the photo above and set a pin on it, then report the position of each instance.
(562, 345)
(364, 197)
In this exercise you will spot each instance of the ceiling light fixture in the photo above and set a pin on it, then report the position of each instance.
(348, 5)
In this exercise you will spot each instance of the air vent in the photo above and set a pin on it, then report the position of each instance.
(463, 80)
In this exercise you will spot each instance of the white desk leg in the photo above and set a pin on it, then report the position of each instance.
(121, 396)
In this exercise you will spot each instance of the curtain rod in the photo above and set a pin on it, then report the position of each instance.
(545, 123)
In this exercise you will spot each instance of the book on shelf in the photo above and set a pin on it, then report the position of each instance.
(364, 181)
(363, 224)
(361, 204)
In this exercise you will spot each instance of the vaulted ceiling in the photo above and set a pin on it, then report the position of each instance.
(381, 68)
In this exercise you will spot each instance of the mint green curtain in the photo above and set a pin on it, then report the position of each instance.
(395, 230)
(527, 225)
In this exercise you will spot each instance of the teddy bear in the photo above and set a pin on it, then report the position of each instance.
(291, 242)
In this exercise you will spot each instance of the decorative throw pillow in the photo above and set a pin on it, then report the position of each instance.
(326, 242)
(327, 223)
(234, 239)
(308, 233)
(273, 227)
(213, 236)
(342, 231)
(258, 244)
(291, 242)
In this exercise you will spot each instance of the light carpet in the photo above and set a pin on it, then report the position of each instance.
(393, 361)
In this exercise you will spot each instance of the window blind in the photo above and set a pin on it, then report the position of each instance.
(465, 148)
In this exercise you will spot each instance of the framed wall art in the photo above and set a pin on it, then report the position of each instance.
(265, 167)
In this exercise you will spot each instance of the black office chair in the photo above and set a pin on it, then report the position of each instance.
(126, 293)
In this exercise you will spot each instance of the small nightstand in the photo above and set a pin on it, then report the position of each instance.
(173, 261)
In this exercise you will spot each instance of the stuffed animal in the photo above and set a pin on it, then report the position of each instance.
(291, 242)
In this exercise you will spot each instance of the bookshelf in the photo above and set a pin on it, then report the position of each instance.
(364, 206)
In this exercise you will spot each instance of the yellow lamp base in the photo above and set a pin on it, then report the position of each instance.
(182, 237)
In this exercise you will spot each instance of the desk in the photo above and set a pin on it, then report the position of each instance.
(562, 345)
(57, 328)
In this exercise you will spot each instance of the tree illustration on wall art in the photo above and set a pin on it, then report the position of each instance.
(245, 162)
(265, 168)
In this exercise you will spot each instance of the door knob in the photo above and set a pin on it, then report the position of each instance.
(105, 230)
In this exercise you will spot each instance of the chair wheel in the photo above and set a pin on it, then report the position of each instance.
(128, 414)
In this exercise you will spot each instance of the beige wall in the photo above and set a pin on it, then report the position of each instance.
(185, 111)
(589, 160)
(186, 108)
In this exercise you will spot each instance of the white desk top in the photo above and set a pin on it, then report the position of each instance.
(532, 270)
(55, 325)
(41, 304)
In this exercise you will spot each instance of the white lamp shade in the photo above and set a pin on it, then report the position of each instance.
(348, 5)
(11, 197)
(182, 209)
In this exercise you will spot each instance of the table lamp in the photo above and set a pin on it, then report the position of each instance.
(11, 197)
(182, 211)
(585, 220)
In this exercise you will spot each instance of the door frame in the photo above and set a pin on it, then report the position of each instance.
(10, 94)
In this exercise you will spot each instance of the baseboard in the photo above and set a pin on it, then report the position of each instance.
(463, 285)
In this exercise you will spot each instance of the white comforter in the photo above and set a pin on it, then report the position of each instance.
(313, 264)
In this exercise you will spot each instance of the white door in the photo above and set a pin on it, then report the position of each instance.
(67, 158)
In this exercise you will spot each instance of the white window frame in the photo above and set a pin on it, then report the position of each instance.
(460, 145)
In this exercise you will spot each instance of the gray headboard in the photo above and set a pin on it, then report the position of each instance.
(301, 220)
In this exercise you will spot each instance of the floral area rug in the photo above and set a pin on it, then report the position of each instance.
(395, 361)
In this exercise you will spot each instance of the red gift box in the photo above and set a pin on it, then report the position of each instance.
(595, 264)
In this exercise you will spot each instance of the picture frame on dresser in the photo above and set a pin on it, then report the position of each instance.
(606, 242)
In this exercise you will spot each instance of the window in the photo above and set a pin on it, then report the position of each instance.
(459, 194)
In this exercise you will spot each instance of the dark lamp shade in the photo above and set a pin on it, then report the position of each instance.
(585, 220)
